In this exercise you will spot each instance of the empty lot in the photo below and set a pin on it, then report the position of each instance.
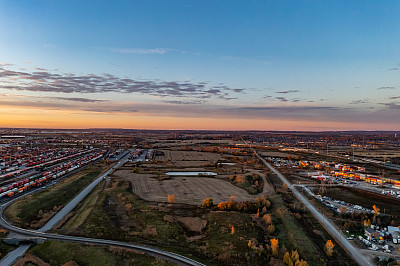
(190, 190)
(166, 155)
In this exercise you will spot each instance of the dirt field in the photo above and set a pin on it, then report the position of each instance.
(178, 143)
(186, 156)
(190, 190)
(277, 154)
(190, 163)
(378, 153)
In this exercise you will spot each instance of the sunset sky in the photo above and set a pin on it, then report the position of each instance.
(234, 65)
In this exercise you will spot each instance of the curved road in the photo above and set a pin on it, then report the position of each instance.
(9, 259)
(328, 225)
(176, 258)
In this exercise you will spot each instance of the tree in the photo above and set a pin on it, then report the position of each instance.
(301, 263)
(329, 248)
(369, 223)
(208, 203)
(286, 259)
(267, 219)
(285, 187)
(376, 210)
(232, 198)
(240, 179)
(232, 230)
(271, 229)
(258, 213)
(342, 209)
(230, 205)
(263, 201)
(274, 246)
(171, 198)
(222, 206)
(294, 256)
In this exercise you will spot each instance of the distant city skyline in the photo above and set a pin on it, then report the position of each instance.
(212, 65)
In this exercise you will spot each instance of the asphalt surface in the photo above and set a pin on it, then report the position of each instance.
(75, 201)
(20, 251)
(14, 255)
(176, 258)
(328, 225)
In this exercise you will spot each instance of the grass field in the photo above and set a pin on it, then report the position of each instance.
(292, 235)
(229, 247)
(4, 248)
(79, 215)
(34, 210)
(114, 212)
(59, 253)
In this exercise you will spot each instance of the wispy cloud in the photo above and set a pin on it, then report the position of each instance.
(392, 106)
(184, 102)
(282, 99)
(82, 100)
(43, 80)
(288, 91)
(394, 97)
(386, 88)
(359, 102)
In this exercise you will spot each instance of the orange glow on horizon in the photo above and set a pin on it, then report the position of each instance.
(44, 118)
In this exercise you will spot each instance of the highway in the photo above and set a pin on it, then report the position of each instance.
(327, 224)
(13, 256)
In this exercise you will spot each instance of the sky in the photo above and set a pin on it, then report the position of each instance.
(207, 65)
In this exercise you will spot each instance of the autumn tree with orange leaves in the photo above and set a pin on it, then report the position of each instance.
(329, 248)
(171, 198)
(222, 206)
(271, 229)
(267, 219)
(376, 210)
(274, 246)
(207, 203)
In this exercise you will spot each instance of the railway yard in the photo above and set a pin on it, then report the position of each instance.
(22, 171)
(204, 196)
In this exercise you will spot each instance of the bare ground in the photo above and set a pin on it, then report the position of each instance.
(190, 190)
(188, 156)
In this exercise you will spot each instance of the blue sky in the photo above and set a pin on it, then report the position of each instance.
(302, 62)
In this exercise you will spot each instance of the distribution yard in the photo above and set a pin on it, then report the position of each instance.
(191, 190)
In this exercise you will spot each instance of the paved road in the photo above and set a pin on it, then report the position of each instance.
(14, 255)
(176, 258)
(19, 252)
(328, 225)
(75, 201)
